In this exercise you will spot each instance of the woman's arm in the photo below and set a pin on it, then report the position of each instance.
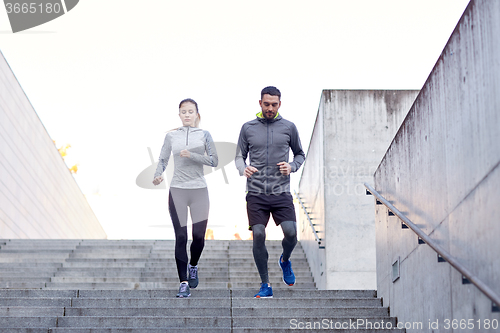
(164, 156)
(211, 158)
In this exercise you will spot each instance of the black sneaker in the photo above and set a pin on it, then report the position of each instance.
(183, 290)
(193, 276)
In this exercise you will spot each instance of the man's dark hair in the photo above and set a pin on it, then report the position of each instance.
(273, 91)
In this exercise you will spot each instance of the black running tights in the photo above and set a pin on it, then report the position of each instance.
(260, 254)
(197, 201)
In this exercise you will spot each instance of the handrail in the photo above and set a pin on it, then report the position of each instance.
(308, 218)
(442, 252)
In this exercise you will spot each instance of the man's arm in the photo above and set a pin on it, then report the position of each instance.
(241, 152)
(298, 154)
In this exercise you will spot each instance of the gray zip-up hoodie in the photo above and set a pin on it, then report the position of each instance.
(188, 172)
(268, 142)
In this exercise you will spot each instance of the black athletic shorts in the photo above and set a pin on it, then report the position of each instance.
(260, 206)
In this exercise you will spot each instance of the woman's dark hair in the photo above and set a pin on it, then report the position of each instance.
(189, 100)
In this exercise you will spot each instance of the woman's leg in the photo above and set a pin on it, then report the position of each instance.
(199, 207)
(198, 242)
(178, 211)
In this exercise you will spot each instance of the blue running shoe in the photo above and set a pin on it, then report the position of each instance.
(265, 291)
(288, 276)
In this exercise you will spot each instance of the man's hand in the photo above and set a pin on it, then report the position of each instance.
(249, 171)
(185, 153)
(285, 168)
(158, 180)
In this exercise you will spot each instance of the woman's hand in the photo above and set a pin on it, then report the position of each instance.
(158, 180)
(185, 153)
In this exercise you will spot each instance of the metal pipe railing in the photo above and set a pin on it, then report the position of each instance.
(442, 252)
(309, 219)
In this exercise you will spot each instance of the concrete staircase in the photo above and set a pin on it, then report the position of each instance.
(129, 286)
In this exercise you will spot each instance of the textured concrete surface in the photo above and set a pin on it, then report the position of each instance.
(226, 305)
(352, 132)
(442, 171)
(39, 197)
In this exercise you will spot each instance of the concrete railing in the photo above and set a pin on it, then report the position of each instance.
(424, 239)
(442, 172)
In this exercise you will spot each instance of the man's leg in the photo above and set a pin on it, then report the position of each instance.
(260, 254)
(288, 243)
(289, 238)
(258, 216)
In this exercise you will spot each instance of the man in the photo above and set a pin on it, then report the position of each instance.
(267, 141)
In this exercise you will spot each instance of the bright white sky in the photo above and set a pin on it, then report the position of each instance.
(107, 78)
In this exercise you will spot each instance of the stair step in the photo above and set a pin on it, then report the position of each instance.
(92, 286)
(33, 311)
(139, 321)
(24, 322)
(309, 326)
(35, 301)
(25, 279)
(270, 303)
(161, 293)
(18, 265)
(139, 330)
(24, 330)
(169, 302)
(38, 293)
(287, 322)
(146, 311)
(170, 285)
(22, 285)
(325, 312)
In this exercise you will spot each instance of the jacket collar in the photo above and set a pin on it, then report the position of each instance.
(262, 119)
(191, 129)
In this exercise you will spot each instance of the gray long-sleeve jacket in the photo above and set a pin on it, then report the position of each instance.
(268, 142)
(188, 172)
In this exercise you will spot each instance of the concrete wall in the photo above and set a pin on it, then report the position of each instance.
(442, 170)
(38, 196)
(352, 132)
(312, 192)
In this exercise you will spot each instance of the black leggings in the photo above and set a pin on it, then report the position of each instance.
(178, 202)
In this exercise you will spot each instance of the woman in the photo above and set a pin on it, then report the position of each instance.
(192, 148)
